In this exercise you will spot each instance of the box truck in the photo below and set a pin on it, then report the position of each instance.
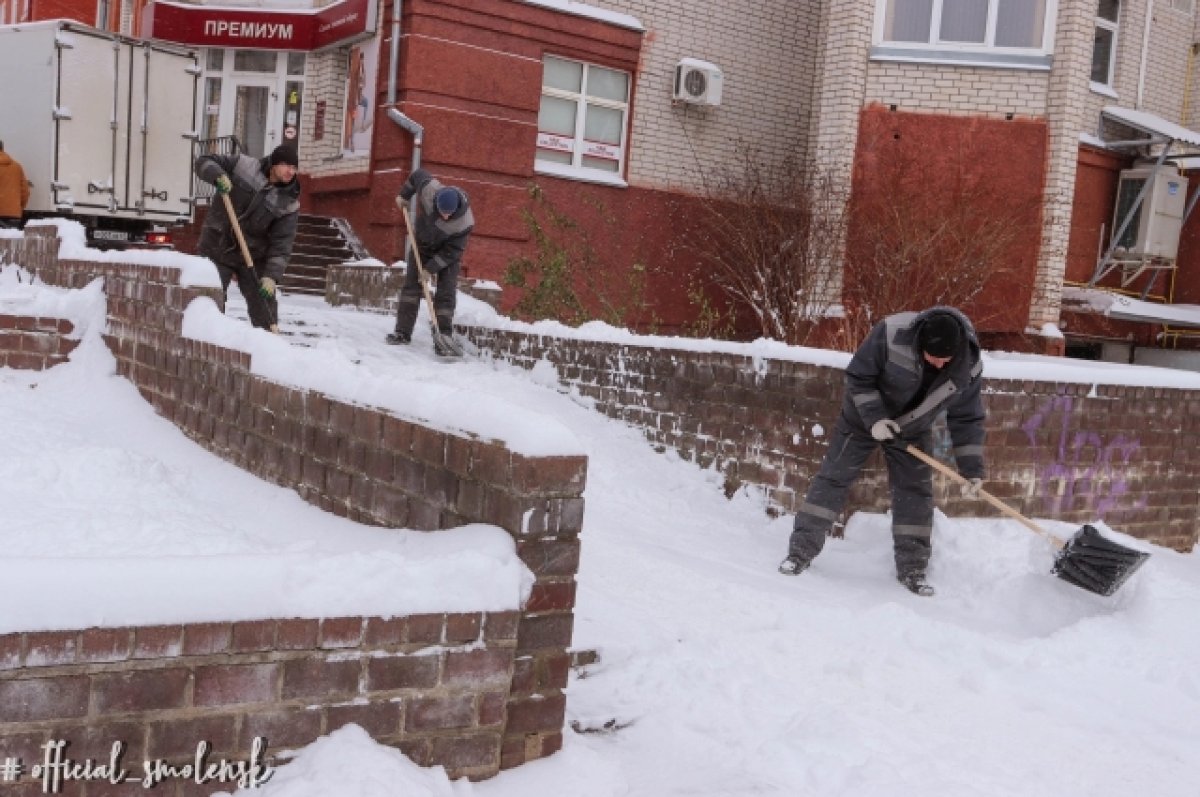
(104, 127)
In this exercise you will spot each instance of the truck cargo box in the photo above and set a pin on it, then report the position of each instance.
(103, 125)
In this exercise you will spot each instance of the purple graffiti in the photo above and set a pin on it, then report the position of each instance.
(1083, 465)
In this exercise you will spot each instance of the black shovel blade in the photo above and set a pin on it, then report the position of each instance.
(1096, 563)
(446, 346)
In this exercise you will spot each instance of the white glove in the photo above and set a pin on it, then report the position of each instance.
(971, 488)
(266, 287)
(885, 430)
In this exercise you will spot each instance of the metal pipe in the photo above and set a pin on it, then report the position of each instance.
(1141, 86)
(395, 51)
(405, 122)
(418, 132)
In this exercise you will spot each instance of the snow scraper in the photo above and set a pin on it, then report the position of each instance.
(1088, 560)
(443, 345)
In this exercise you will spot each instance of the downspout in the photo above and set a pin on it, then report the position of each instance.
(1141, 88)
(418, 132)
(397, 117)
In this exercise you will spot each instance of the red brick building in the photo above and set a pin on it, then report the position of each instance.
(583, 102)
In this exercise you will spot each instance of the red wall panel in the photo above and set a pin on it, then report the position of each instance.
(925, 160)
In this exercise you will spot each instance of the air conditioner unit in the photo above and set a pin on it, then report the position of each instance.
(697, 82)
(1154, 229)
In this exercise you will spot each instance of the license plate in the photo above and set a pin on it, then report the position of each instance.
(110, 235)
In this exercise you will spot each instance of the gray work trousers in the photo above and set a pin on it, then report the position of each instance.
(912, 497)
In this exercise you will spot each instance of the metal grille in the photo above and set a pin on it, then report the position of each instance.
(221, 145)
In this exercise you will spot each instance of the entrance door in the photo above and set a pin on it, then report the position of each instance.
(251, 110)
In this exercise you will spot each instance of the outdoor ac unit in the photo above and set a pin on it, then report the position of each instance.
(698, 82)
(1154, 229)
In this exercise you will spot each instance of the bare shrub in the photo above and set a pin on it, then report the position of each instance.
(769, 238)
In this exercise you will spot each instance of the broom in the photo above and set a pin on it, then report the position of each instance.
(1088, 560)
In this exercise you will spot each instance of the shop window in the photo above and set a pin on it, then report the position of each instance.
(1104, 51)
(999, 30)
(582, 120)
(254, 61)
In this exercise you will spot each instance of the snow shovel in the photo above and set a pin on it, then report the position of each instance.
(1088, 560)
(237, 231)
(443, 345)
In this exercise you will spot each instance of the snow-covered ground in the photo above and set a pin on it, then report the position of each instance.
(717, 676)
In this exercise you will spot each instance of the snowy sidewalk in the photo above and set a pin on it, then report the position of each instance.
(717, 676)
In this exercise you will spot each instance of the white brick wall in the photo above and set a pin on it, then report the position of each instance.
(765, 50)
(945, 89)
(325, 80)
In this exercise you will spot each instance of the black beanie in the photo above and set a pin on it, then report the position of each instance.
(284, 154)
(940, 335)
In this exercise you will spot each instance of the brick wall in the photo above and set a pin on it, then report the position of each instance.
(434, 686)
(378, 287)
(1072, 452)
(357, 462)
(765, 52)
(34, 343)
(940, 88)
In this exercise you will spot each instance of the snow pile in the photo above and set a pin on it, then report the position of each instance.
(135, 525)
(22, 294)
(348, 762)
(198, 272)
(433, 404)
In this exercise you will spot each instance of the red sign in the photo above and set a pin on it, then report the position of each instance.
(297, 29)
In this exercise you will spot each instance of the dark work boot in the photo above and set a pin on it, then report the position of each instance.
(915, 583)
(793, 566)
(399, 338)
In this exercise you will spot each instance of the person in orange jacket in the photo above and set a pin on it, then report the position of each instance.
(14, 190)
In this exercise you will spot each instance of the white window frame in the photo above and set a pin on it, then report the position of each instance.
(1183, 6)
(985, 54)
(1106, 86)
(576, 170)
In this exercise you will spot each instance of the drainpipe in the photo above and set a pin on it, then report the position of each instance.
(418, 132)
(1141, 88)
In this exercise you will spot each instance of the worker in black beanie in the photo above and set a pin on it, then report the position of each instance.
(265, 194)
(911, 367)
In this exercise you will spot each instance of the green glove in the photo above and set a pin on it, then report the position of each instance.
(223, 184)
(266, 288)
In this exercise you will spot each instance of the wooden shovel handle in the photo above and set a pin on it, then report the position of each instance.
(237, 231)
(421, 273)
(241, 239)
(984, 494)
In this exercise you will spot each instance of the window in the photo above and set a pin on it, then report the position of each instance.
(1186, 6)
(988, 29)
(581, 122)
(1104, 51)
(255, 61)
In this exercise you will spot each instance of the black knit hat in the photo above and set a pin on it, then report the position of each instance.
(284, 154)
(940, 335)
